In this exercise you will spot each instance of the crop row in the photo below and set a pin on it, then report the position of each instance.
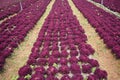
(4, 3)
(14, 30)
(106, 24)
(60, 51)
(111, 4)
(15, 8)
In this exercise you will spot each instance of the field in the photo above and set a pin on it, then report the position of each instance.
(19, 56)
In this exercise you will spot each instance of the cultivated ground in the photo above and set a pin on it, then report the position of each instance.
(104, 56)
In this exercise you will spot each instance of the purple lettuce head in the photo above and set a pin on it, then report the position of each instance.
(25, 70)
(72, 47)
(118, 55)
(83, 58)
(89, 47)
(81, 45)
(99, 29)
(56, 54)
(6, 54)
(93, 62)
(14, 44)
(77, 77)
(101, 74)
(104, 34)
(107, 38)
(65, 77)
(64, 53)
(1, 47)
(75, 68)
(1, 66)
(55, 47)
(52, 70)
(44, 54)
(73, 52)
(41, 61)
(64, 69)
(34, 55)
(37, 77)
(52, 60)
(73, 60)
(40, 70)
(63, 47)
(78, 40)
(35, 49)
(111, 43)
(86, 68)
(50, 77)
(63, 61)
(92, 77)
(37, 43)
(116, 49)
(85, 51)
(2, 60)
(31, 61)
(7, 51)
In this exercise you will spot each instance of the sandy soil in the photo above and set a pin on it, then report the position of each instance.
(20, 55)
(104, 56)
